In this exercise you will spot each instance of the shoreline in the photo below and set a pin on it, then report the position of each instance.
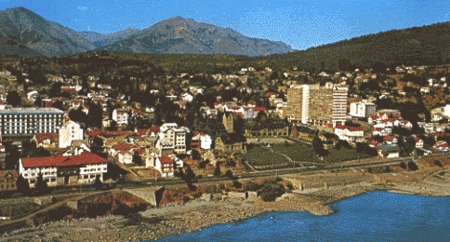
(174, 219)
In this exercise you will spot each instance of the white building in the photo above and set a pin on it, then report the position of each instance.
(362, 109)
(30, 120)
(63, 170)
(205, 142)
(164, 164)
(172, 137)
(69, 132)
(120, 116)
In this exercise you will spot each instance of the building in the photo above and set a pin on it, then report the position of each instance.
(172, 137)
(46, 141)
(14, 121)
(164, 164)
(231, 143)
(362, 109)
(228, 121)
(318, 104)
(63, 170)
(8, 180)
(120, 116)
(69, 132)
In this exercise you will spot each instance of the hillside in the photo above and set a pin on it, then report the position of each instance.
(178, 35)
(21, 27)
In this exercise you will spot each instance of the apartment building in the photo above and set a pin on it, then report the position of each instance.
(14, 121)
(172, 137)
(317, 104)
(69, 132)
(362, 109)
(63, 170)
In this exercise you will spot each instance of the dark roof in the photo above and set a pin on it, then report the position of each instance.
(232, 138)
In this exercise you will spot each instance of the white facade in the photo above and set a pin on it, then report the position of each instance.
(120, 116)
(205, 142)
(69, 132)
(175, 137)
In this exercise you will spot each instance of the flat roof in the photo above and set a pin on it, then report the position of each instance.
(31, 111)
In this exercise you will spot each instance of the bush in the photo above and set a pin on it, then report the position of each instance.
(197, 195)
(270, 191)
(186, 199)
(251, 186)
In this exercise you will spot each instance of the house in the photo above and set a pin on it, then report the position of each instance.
(120, 116)
(391, 140)
(69, 132)
(419, 142)
(77, 147)
(45, 140)
(388, 151)
(350, 134)
(8, 180)
(164, 164)
(172, 137)
(63, 170)
(115, 149)
(373, 119)
(374, 144)
(441, 145)
(406, 124)
(231, 143)
(32, 95)
(187, 97)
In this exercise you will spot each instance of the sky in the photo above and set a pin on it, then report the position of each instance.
(299, 23)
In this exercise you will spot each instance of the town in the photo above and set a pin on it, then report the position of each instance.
(63, 132)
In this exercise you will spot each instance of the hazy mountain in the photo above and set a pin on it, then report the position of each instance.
(26, 33)
(90, 35)
(179, 35)
(103, 40)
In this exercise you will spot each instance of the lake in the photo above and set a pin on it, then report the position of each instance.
(373, 216)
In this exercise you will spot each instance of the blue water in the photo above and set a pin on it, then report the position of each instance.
(374, 216)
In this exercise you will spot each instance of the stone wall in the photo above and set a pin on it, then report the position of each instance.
(152, 195)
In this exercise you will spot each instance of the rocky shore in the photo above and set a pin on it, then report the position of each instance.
(174, 219)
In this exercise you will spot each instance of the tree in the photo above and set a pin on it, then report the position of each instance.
(41, 185)
(95, 115)
(38, 101)
(22, 185)
(98, 185)
(14, 99)
(217, 171)
(97, 145)
(317, 145)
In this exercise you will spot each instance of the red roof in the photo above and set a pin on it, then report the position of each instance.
(48, 104)
(378, 129)
(140, 151)
(41, 137)
(259, 109)
(269, 94)
(165, 160)
(122, 146)
(389, 138)
(57, 161)
(374, 143)
(154, 129)
(236, 108)
(138, 111)
(141, 131)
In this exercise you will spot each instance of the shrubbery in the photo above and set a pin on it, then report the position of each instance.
(271, 189)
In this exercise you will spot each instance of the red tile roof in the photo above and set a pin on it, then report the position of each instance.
(373, 117)
(122, 146)
(259, 109)
(41, 137)
(141, 131)
(269, 94)
(388, 138)
(154, 129)
(165, 160)
(57, 161)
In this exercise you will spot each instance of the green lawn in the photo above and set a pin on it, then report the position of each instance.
(297, 151)
(261, 156)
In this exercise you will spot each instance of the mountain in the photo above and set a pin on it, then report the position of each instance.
(186, 36)
(25, 33)
(90, 35)
(103, 40)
